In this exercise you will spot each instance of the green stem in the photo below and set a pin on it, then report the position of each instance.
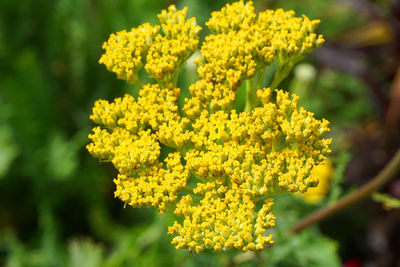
(187, 189)
(138, 83)
(390, 170)
(175, 77)
(251, 97)
(281, 73)
(260, 78)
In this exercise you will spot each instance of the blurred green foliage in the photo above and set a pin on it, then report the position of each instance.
(57, 201)
(388, 202)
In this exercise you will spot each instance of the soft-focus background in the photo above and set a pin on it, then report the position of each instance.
(56, 201)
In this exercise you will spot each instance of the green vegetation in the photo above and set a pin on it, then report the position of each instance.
(57, 203)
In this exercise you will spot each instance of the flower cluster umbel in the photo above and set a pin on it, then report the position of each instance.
(227, 164)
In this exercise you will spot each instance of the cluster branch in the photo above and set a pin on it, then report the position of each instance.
(386, 174)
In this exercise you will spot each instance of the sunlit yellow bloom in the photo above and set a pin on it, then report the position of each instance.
(323, 173)
(169, 52)
(244, 44)
(224, 219)
(215, 167)
(154, 185)
(233, 16)
(126, 51)
(162, 54)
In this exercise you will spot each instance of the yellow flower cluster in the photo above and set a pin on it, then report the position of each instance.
(154, 186)
(224, 219)
(161, 54)
(226, 164)
(129, 142)
(323, 173)
(126, 51)
(168, 53)
(274, 147)
(232, 17)
(242, 46)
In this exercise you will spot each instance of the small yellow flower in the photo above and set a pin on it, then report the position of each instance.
(323, 173)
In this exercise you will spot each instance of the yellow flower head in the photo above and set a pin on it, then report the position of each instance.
(323, 173)
(226, 165)
(232, 17)
(161, 54)
(244, 44)
(169, 52)
(224, 219)
(126, 51)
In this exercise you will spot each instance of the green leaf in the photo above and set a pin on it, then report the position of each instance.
(388, 201)
(8, 149)
(84, 252)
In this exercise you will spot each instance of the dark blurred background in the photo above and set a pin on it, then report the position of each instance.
(57, 206)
